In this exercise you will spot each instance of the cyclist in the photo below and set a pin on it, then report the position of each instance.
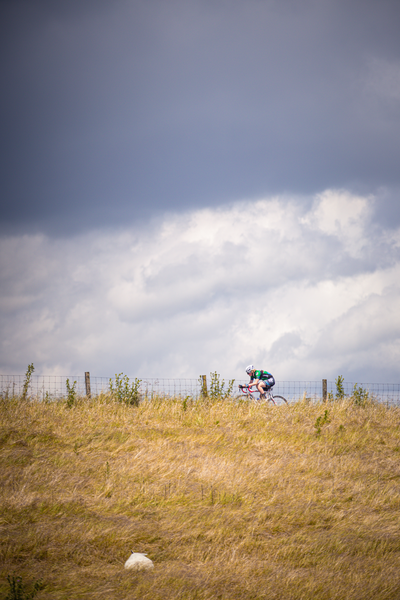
(261, 379)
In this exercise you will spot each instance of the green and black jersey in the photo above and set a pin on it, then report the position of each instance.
(263, 376)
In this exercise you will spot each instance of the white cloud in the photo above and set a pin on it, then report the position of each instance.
(304, 293)
(341, 214)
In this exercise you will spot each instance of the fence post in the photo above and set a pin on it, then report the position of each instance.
(324, 390)
(87, 384)
(204, 386)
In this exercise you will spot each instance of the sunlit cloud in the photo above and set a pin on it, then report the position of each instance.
(304, 292)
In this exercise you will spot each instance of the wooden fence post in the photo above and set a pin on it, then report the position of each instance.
(324, 390)
(87, 384)
(204, 386)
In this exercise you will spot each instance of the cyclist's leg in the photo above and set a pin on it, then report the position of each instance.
(268, 385)
(262, 388)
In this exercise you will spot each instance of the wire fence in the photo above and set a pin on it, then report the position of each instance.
(52, 387)
(55, 386)
(389, 393)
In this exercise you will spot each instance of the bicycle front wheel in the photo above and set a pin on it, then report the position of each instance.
(280, 400)
(243, 397)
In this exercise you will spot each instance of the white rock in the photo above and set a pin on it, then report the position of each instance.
(138, 562)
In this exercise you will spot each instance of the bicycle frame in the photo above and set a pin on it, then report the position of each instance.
(247, 391)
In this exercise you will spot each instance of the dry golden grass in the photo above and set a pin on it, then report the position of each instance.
(229, 501)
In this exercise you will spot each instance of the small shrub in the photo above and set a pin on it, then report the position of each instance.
(125, 392)
(360, 395)
(321, 421)
(17, 589)
(71, 394)
(185, 402)
(339, 387)
(217, 387)
(27, 380)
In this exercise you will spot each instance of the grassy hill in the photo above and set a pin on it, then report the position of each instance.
(230, 501)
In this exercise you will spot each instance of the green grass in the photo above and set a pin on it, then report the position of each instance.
(229, 501)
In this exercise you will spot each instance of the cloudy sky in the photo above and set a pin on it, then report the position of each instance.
(193, 185)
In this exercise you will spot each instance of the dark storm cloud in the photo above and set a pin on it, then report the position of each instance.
(115, 110)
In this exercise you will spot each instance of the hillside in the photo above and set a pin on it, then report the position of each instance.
(229, 501)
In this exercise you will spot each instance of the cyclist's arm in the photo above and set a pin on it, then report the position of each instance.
(253, 382)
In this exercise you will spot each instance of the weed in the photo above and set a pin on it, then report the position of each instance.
(217, 387)
(27, 380)
(71, 393)
(360, 395)
(339, 387)
(321, 420)
(125, 392)
(185, 403)
(17, 590)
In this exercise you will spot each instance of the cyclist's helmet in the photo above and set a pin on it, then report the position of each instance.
(249, 369)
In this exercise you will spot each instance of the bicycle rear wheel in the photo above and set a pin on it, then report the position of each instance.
(280, 400)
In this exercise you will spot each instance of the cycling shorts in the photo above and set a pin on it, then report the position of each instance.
(268, 383)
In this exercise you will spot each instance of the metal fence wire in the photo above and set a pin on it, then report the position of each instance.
(388, 393)
(55, 387)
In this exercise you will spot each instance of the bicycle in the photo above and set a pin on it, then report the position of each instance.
(269, 396)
